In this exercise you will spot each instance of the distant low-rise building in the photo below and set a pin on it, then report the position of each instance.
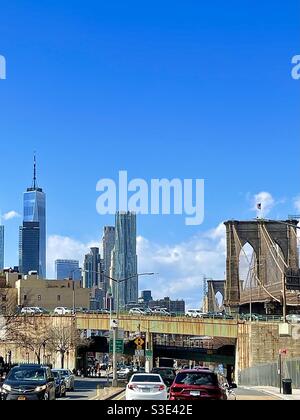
(177, 306)
(30, 290)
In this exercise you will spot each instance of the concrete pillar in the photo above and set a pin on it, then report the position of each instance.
(149, 352)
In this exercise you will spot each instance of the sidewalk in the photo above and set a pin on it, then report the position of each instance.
(275, 392)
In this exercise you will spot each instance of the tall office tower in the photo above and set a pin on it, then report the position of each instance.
(35, 212)
(124, 261)
(93, 269)
(29, 247)
(108, 242)
(1, 247)
(67, 269)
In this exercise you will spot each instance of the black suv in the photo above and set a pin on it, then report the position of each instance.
(29, 382)
(168, 375)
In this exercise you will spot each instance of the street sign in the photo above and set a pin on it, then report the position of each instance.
(283, 352)
(149, 353)
(120, 334)
(119, 346)
(139, 353)
(139, 342)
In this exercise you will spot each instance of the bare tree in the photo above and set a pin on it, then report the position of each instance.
(25, 332)
(63, 339)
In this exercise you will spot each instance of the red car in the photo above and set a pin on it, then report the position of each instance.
(198, 384)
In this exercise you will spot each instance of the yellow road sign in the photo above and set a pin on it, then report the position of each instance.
(139, 342)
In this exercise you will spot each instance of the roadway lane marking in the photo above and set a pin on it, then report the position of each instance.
(120, 397)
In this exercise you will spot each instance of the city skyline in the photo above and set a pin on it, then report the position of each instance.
(168, 94)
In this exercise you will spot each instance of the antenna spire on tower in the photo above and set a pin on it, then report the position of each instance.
(34, 172)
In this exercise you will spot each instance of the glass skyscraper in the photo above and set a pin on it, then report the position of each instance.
(67, 269)
(35, 212)
(29, 243)
(108, 242)
(1, 247)
(124, 260)
(93, 269)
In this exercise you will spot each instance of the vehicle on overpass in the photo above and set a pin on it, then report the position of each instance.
(194, 313)
(62, 311)
(137, 311)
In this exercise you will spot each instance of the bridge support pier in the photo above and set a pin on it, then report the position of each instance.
(149, 352)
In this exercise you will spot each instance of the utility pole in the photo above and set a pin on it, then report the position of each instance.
(114, 326)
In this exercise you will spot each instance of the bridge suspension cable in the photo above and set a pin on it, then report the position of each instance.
(256, 276)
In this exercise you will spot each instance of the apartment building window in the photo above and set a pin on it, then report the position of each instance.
(25, 297)
(39, 298)
(4, 298)
(58, 298)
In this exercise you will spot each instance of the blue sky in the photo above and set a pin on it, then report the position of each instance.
(161, 89)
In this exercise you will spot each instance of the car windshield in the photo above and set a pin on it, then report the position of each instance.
(56, 374)
(197, 378)
(27, 375)
(146, 378)
(164, 372)
(65, 373)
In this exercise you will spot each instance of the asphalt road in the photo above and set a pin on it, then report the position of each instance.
(242, 394)
(85, 389)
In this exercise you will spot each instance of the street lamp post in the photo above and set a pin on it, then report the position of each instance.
(114, 323)
(115, 329)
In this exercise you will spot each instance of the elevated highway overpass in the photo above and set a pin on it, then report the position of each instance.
(162, 325)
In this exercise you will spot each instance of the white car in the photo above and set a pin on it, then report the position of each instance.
(146, 386)
(62, 311)
(33, 310)
(194, 313)
(293, 319)
(137, 311)
(162, 312)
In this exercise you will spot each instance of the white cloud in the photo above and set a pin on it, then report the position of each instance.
(11, 215)
(267, 203)
(63, 247)
(181, 266)
(297, 203)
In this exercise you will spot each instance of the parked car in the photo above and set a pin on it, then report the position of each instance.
(194, 313)
(146, 386)
(60, 384)
(199, 384)
(62, 311)
(168, 375)
(68, 377)
(29, 382)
